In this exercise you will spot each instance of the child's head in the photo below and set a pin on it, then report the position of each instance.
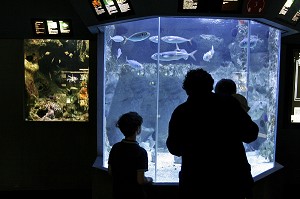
(225, 86)
(242, 100)
(130, 123)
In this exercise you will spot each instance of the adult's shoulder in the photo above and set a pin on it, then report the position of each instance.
(180, 107)
(226, 98)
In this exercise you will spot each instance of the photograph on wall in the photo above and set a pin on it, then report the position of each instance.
(231, 6)
(295, 115)
(290, 12)
(110, 6)
(296, 80)
(111, 9)
(48, 27)
(56, 80)
(98, 7)
(124, 5)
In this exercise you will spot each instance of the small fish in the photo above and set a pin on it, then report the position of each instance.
(154, 39)
(175, 39)
(47, 53)
(139, 36)
(174, 55)
(117, 38)
(134, 64)
(209, 54)
(119, 53)
(234, 32)
(253, 41)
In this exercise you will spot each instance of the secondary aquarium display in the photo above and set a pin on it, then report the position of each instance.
(295, 112)
(56, 80)
(144, 64)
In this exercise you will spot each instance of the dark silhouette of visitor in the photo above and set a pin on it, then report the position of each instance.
(208, 131)
(243, 101)
(128, 161)
(228, 87)
(225, 86)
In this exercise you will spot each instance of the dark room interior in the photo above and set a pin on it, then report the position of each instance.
(56, 159)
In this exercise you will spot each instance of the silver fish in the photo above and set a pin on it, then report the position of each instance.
(134, 64)
(173, 55)
(139, 36)
(117, 38)
(175, 39)
(209, 54)
(154, 39)
(252, 43)
(119, 53)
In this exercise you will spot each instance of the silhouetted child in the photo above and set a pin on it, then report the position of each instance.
(225, 87)
(228, 87)
(128, 161)
(243, 101)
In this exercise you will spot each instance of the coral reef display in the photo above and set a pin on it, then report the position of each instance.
(56, 80)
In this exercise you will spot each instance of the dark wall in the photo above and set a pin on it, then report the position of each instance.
(40, 155)
(288, 135)
(154, 8)
(15, 17)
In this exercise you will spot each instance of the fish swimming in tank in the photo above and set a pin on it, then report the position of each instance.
(175, 39)
(154, 39)
(139, 36)
(117, 38)
(119, 53)
(174, 55)
(209, 54)
(134, 64)
(252, 43)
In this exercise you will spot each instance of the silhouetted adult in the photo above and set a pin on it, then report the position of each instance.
(207, 131)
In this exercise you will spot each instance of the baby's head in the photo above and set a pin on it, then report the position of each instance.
(225, 86)
(242, 100)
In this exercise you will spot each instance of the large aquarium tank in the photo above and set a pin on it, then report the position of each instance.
(142, 66)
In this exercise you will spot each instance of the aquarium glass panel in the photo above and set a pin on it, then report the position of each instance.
(145, 62)
(56, 80)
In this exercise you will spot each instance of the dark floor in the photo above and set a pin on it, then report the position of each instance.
(46, 194)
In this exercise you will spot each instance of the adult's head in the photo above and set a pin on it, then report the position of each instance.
(225, 86)
(129, 123)
(197, 82)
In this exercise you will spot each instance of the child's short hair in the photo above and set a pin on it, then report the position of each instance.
(129, 123)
